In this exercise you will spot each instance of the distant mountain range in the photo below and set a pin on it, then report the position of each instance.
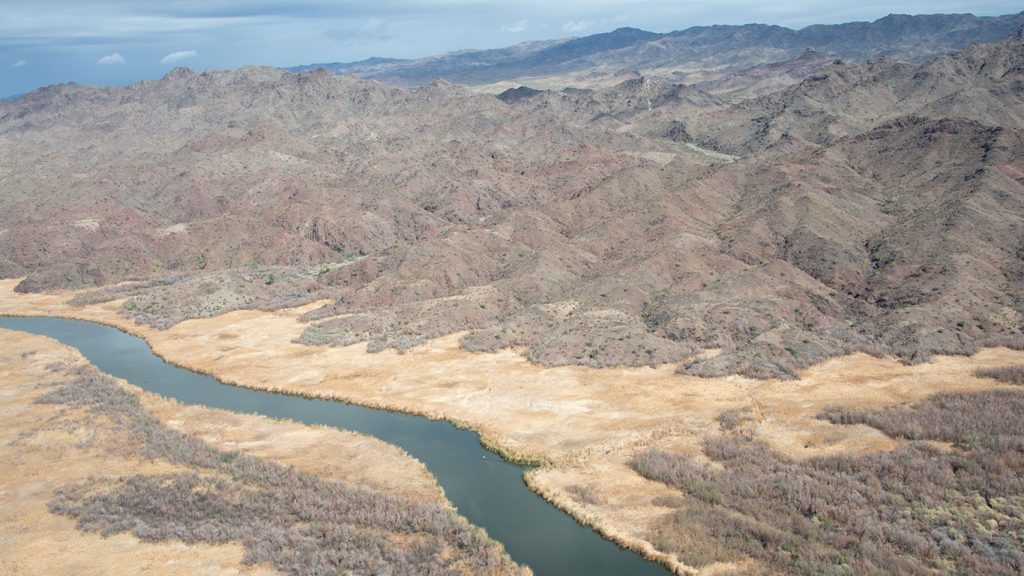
(780, 215)
(701, 48)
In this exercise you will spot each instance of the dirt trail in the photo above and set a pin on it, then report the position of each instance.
(587, 423)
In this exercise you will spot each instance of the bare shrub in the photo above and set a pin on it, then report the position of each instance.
(124, 290)
(734, 418)
(1011, 341)
(295, 521)
(946, 417)
(1008, 374)
(163, 304)
(585, 494)
(914, 510)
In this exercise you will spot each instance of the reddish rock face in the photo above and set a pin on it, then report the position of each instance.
(875, 207)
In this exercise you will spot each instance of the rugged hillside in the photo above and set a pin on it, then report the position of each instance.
(188, 171)
(980, 83)
(875, 206)
(691, 53)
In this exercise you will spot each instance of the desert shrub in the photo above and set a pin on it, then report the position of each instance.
(782, 359)
(1008, 374)
(914, 510)
(1011, 341)
(400, 342)
(946, 417)
(403, 326)
(296, 524)
(585, 494)
(124, 290)
(734, 418)
(295, 521)
(163, 304)
(788, 351)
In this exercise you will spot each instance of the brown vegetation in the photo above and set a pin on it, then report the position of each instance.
(585, 424)
(1008, 374)
(164, 302)
(183, 490)
(734, 417)
(949, 417)
(915, 510)
(292, 520)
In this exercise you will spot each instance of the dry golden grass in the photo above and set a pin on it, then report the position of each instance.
(586, 423)
(38, 454)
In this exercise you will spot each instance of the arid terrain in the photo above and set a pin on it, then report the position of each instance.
(108, 436)
(587, 424)
(868, 207)
(751, 298)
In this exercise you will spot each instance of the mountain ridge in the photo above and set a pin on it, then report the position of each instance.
(872, 207)
(720, 47)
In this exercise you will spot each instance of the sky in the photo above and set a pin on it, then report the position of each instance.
(111, 42)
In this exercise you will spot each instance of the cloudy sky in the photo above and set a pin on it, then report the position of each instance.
(120, 41)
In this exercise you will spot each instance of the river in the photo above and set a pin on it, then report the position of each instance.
(487, 490)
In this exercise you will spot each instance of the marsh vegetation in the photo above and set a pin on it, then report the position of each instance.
(294, 521)
(919, 509)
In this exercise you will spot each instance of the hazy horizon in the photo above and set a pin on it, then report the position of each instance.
(110, 43)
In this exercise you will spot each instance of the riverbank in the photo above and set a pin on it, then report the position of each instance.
(586, 423)
(45, 448)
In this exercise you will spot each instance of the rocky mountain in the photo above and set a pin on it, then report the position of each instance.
(691, 54)
(875, 206)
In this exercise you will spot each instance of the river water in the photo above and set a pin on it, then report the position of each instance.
(487, 490)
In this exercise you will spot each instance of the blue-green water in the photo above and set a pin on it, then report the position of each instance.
(487, 490)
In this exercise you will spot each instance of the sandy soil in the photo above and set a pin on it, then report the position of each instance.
(37, 456)
(586, 423)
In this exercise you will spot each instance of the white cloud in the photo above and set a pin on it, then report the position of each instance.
(577, 25)
(21, 63)
(178, 56)
(519, 26)
(111, 59)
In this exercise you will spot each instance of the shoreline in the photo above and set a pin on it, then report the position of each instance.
(640, 548)
(569, 421)
(45, 433)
